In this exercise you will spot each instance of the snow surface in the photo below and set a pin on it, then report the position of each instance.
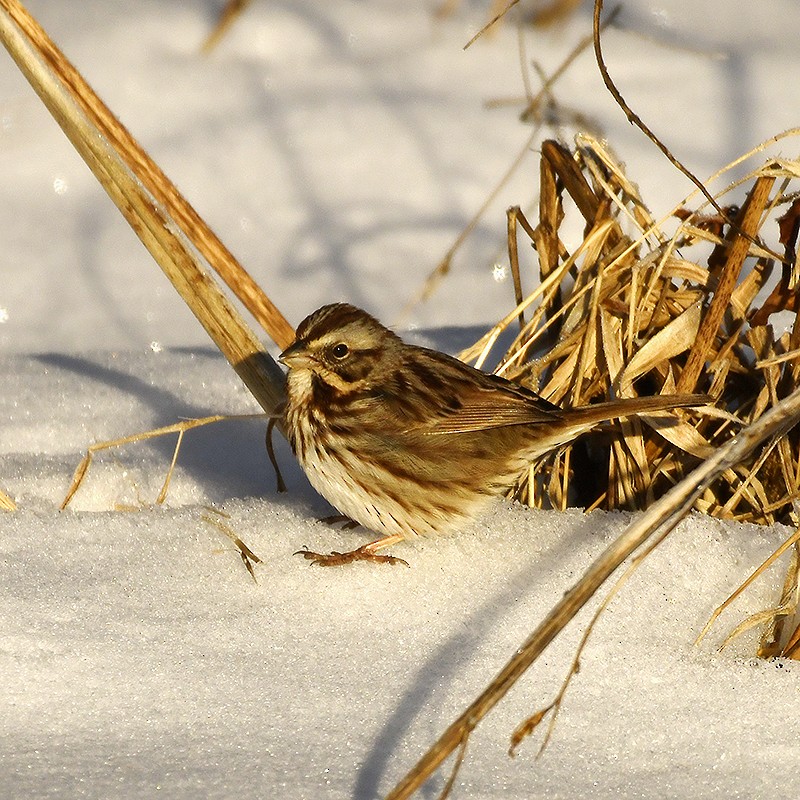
(339, 148)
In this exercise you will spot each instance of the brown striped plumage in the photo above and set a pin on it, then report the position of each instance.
(407, 440)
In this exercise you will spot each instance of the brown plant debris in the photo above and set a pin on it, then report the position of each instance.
(631, 307)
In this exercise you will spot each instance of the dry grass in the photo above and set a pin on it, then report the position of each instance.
(631, 306)
(182, 244)
(6, 503)
(637, 307)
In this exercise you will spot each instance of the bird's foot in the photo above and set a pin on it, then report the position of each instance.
(336, 559)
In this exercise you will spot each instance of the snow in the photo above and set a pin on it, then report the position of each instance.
(339, 149)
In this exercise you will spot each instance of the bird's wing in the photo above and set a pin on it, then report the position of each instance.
(456, 398)
(489, 408)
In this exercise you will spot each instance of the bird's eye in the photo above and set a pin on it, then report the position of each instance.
(340, 351)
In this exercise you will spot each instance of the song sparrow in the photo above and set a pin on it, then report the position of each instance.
(410, 441)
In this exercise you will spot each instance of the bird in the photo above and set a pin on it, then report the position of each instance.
(408, 441)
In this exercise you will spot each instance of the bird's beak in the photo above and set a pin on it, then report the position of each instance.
(295, 355)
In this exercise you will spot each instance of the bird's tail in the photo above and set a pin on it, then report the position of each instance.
(634, 407)
(580, 419)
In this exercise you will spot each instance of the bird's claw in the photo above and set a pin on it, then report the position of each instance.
(336, 559)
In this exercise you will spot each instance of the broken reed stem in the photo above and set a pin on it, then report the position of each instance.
(247, 555)
(659, 519)
(113, 156)
(745, 230)
(149, 173)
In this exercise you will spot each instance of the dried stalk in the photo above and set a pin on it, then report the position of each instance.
(497, 17)
(146, 199)
(659, 519)
(622, 314)
(178, 428)
(532, 112)
(747, 226)
(149, 173)
(792, 541)
(229, 14)
(6, 503)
